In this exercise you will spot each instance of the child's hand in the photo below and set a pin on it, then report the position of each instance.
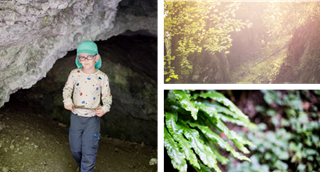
(99, 112)
(69, 107)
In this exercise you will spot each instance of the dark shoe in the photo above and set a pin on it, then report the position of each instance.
(78, 169)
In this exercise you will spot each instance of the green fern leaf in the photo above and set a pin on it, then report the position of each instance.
(227, 115)
(240, 146)
(222, 109)
(211, 111)
(186, 103)
(188, 136)
(203, 168)
(219, 157)
(239, 141)
(221, 99)
(217, 139)
(226, 118)
(201, 148)
(176, 133)
(177, 158)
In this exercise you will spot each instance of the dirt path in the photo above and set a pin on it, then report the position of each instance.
(31, 141)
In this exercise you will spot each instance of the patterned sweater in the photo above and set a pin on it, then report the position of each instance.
(86, 90)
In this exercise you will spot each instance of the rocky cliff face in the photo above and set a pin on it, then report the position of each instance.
(34, 34)
(303, 56)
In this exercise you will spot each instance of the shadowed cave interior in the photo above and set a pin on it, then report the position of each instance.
(34, 124)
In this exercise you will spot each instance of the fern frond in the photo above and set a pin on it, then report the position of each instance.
(185, 102)
(203, 168)
(219, 157)
(217, 139)
(188, 136)
(211, 111)
(223, 100)
(227, 115)
(239, 141)
(201, 148)
(176, 132)
(177, 158)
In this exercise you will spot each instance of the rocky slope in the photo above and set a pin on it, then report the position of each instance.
(303, 56)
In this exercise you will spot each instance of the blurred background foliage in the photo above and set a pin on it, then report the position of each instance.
(287, 136)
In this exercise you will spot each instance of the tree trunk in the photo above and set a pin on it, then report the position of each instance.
(176, 63)
(166, 65)
(165, 49)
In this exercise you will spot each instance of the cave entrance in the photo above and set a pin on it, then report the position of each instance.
(34, 125)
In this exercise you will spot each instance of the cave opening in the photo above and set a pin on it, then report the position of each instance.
(34, 123)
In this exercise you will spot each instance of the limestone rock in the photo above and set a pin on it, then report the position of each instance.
(34, 34)
(153, 161)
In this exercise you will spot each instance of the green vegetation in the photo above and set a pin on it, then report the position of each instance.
(262, 73)
(195, 32)
(190, 27)
(288, 137)
(192, 121)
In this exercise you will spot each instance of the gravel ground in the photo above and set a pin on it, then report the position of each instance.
(31, 141)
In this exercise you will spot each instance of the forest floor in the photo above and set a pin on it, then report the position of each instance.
(262, 73)
(32, 141)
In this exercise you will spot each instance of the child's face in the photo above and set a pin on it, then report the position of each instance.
(86, 63)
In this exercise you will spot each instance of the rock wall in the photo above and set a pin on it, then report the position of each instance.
(303, 56)
(131, 65)
(34, 34)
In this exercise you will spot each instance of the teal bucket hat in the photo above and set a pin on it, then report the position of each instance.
(88, 47)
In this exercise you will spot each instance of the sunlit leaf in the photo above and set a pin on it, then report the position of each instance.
(186, 103)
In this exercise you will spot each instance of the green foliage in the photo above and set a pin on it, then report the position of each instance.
(168, 70)
(191, 122)
(290, 138)
(198, 26)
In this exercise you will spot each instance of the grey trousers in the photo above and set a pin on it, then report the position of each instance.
(84, 136)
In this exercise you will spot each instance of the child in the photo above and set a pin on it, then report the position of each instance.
(86, 83)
